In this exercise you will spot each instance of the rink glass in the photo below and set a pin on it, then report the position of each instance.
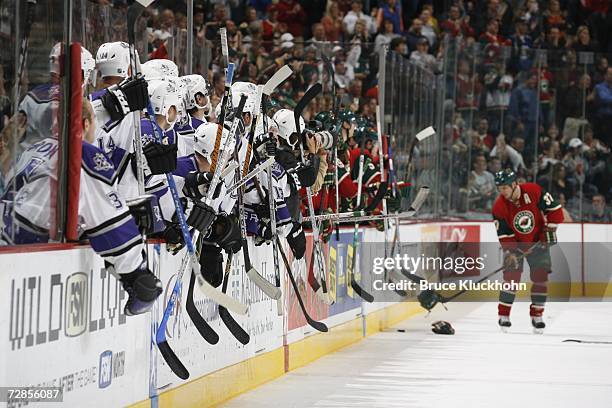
(467, 84)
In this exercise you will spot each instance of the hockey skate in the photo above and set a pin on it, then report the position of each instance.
(538, 324)
(504, 323)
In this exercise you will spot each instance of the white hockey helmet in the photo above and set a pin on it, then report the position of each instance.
(159, 68)
(286, 126)
(205, 138)
(194, 84)
(113, 59)
(88, 65)
(163, 95)
(247, 88)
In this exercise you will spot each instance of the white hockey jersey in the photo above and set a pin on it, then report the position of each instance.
(104, 217)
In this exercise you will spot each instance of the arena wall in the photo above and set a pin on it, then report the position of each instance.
(63, 323)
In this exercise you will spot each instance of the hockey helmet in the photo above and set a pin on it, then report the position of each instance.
(346, 115)
(194, 85)
(159, 68)
(163, 95)
(88, 64)
(505, 177)
(113, 59)
(285, 121)
(442, 327)
(205, 138)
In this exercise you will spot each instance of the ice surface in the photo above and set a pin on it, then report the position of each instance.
(477, 367)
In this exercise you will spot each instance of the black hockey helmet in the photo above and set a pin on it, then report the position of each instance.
(505, 177)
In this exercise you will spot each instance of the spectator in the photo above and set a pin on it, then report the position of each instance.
(468, 92)
(414, 34)
(560, 184)
(555, 44)
(355, 15)
(578, 100)
(603, 109)
(583, 41)
(497, 10)
(319, 39)
(385, 36)
(494, 165)
(398, 45)
(553, 16)
(219, 18)
(483, 133)
(498, 90)
(332, 22)
(344, 73)
(600, 70)
(457, 25)
(430, 26)
(533, 17)
(391, 10)
(422, 57)
(481, 187)
(599, 212)
(477, 145)
(523, 110)
(507, 155)
(522, 46)
(291, 13)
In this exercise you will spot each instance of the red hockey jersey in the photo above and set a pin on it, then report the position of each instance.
(524, 221)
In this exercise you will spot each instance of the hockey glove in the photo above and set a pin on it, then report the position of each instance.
(550, 235)
(265, 146)
(511, 260)
(160, 157)
(211, 265)
(297, 240)
(201, 216)
(129, 96)
(264, 232)
(147, 214)
(196, 184)
(225, 232)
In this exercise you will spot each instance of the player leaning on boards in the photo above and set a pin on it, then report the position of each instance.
(526, 219)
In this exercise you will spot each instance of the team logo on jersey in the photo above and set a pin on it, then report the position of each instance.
(100, 162)
(524, 222)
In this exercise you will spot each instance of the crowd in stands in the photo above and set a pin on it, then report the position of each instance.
(528, 82)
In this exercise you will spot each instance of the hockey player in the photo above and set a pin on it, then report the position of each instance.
(525, 214)
(40, 105)
(197, 104)
(103, 213)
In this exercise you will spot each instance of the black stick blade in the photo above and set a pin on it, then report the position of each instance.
(320, 326)
(310, 94)
(200, 324)
(173, 361)
(233, 326)
(361, 292)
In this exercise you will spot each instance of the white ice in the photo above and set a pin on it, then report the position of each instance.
(477, 367)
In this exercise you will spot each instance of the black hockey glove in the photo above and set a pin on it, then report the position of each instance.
(211, 264)
(225, 232)
(201, 216)
(297, 240)
(196, 185)
(143, 288)
(264, 232)
(160, 157)
(147, 214)
(129, 96)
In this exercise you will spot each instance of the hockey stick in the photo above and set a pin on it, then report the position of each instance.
(354, 284)
(330, 74)
(586, 341)
(320, 326)
(358, 216)
(221, 298)
(262, 283)
(321, 290)
(430, 298)
(256, 171)
(229, 321)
